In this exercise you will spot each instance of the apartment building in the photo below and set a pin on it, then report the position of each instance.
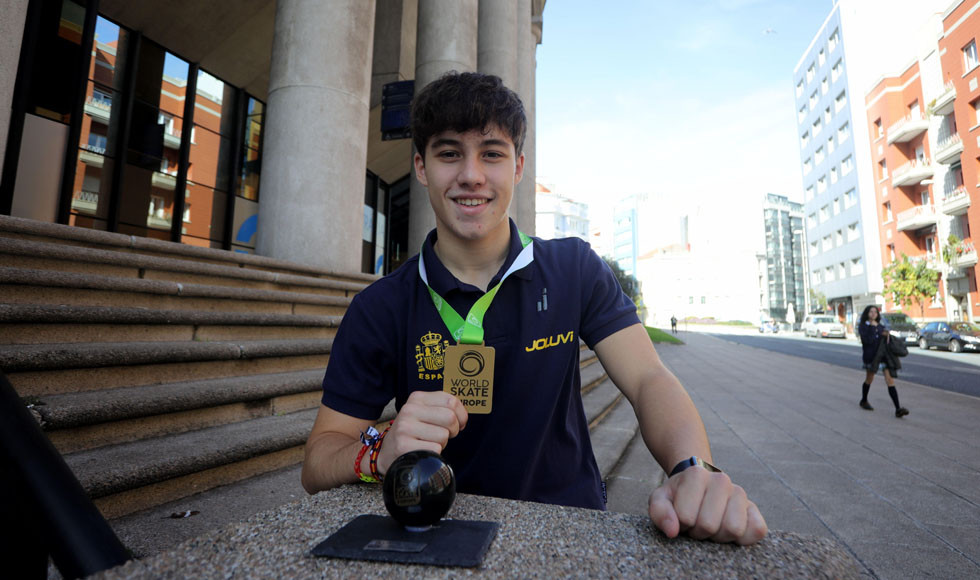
(558, 216)
(855, 43)
(785, 280)
(923, 132)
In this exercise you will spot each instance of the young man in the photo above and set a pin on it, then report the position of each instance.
(477, 340)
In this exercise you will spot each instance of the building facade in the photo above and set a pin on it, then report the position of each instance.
(785, 278)
(925, 157)
(179, 121)
(857, 42)
(559, 216)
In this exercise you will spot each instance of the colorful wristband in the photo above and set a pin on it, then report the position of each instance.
(357, 466)
(376, 450)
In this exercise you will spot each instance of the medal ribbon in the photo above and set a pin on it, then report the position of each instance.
(470, 330)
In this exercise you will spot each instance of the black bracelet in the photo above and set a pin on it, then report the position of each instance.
(691, 462)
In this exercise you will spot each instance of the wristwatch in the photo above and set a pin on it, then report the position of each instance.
(691, 462)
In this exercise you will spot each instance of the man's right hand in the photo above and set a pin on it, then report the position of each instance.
(427, 421)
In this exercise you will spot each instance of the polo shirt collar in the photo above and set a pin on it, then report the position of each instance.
(442, 281)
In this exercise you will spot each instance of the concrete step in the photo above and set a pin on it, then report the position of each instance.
(38, 370)
(133, 476)
(34, 286)
(44, 323)
(87, 420)
(30, 254)
(32, 230)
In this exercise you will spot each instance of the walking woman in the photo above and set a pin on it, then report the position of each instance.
(872, 330)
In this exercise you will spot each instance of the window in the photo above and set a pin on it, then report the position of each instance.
(852, 232)
(840, 238)
(884, 191)
(817, 127)
(879, 130)
(975, 112)
(818, 155)
(930, 246)
(882, 169)
(837, 70)
(826, 243)
(799, 88)
(857, 266)
(822, 57)
(807, 166)
(815, 277)
(813, 100)
(843, 132)
(888, 211)
(846, 165)
(805, 140)
(813, 70)
(833, 175)
(822, 184)
(824, 213)
(830, 144)
(814, 248)
(850, 198)
(891, 252)
(829, 274)
(836, 206)
(826, 115)
(811, 221)
(969, 56)
(924, 196)
(841, 273)
(834, 40)
(840, 102)
(801, 114)
(914, 111)
(824, 86)
(809, 193)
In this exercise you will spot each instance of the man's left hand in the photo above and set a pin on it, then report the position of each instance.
(706, 506)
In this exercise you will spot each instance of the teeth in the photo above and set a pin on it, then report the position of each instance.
(471, 202)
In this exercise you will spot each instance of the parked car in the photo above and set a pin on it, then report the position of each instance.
(954, 336)
(824, 325)
(901, 326)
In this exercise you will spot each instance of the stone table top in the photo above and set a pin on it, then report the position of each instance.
(533, 540)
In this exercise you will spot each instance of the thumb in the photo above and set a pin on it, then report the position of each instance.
(662, 511)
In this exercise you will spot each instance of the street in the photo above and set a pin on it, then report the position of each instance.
(956, 372)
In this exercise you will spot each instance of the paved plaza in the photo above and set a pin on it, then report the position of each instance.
(901, 495)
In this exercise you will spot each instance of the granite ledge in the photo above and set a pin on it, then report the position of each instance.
(533, 540)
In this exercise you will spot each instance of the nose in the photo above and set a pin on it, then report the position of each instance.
(471, 172)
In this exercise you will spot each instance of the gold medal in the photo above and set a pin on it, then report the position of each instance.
(468, 375)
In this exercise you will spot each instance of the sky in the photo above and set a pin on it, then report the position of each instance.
(693, 99)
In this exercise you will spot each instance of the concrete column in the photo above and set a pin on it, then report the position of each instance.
(315, 147)
(528, 36)
(11, 34)
(447, 40)
(497, 42)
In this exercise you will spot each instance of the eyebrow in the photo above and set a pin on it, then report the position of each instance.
(448, 142)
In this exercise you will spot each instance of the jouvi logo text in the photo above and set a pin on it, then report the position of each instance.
(543, 343)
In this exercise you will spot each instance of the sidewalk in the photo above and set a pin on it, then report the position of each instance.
(901, 495)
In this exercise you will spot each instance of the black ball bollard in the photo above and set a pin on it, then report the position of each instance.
(419, 489)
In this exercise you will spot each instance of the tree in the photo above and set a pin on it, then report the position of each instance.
(818, 300)
(628, 282)
(910, 282)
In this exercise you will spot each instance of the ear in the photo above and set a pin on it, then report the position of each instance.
(420, 169)
(519, 170)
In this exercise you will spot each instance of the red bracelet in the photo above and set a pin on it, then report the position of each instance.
(376, 450)
(357, 466)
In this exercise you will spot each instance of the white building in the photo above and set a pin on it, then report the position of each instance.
(557, 216)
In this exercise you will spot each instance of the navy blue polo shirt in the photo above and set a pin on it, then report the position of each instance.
(535, 444)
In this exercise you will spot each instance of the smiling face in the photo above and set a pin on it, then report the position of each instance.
(471, 178)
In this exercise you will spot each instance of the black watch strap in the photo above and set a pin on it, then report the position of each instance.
(691, 462)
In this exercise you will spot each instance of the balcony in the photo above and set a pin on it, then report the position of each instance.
(907, 129)
(931, 260)
(164, 180)
(948, 150)
(963, 255)
(99, 110)
(913, 173)
(944, 102)
(171, 139)
(85, 201)
(956, 202)
(916, 218)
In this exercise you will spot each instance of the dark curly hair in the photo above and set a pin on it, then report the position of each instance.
(465, 101)
(867, 309)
